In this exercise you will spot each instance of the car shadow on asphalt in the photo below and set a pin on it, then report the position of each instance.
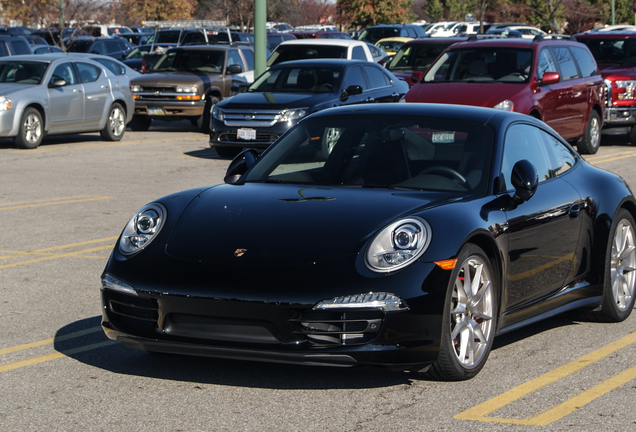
(85, 342)
(206, 153)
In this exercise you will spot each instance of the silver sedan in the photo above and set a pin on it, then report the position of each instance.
(58, 94)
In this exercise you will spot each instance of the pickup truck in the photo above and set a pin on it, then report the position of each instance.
(187, 82)
(615, 54)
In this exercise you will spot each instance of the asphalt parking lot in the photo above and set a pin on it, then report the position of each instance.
(62, 207)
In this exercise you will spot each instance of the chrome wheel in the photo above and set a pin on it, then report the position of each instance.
(622, 265)
(116, 121)
(595, 133)
(472, 311)
(32, 128)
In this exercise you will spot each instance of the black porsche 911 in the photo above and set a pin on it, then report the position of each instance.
(405, 235)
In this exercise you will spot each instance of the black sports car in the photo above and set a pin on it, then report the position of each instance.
(407, 235)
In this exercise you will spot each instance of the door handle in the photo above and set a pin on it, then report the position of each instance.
(105, 87)
(370, 99)
(77, 90)
(574, 211)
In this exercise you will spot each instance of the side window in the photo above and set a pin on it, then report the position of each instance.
(353, 76)
(65, 71)
(561, 157)
(585, 60)
(524, 142)
(87, 72)
(4, 49)
(111, 46)
(358, 53)
(248, 55)
(546, 63)
(20, 47)
(115, 68)
(98, 47)
(234, 58)
(376, 77)
(566, 63)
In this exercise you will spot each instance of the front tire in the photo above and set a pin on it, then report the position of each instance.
(203, 122)
(31, 130)
(470, 318)
(115, 125)
(591, 140)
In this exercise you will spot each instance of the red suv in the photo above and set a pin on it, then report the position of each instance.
(554, 80)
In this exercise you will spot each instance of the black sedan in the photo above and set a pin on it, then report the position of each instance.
(289, 91)
(417, 236)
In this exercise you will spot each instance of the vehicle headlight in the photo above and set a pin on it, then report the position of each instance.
(187, 89)
(626, 89)
(142, 228)
(135, 88)
(5, 103)
(398, 245)
(217, 113)
(293, 115)
(386, 301)
(505, 106)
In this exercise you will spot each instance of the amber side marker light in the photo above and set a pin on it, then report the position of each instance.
(448, 264)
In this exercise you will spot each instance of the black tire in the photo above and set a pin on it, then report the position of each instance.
(203, 123)
(31, 130)
(140, 123)
(461, 356)
(115, 124)
(619, 279)
(227, 152)
(632, 135)
(591, 140)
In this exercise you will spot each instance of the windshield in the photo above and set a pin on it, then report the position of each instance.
(381, 151)
(375, 34)
(301, 79)
(194, 61)
(417, 56)
(482, 65)
(80, 45)
(390, 46)
(138, 52)
(285, 53)
(621, 51)
(22, 72)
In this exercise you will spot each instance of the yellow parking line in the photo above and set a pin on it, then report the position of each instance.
(479, 412)
(50, 340)
(611, 157)
(68, 246)
(55, 201)
(101, 144)
(55, 256)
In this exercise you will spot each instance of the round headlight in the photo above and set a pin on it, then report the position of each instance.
(142, 228)
(398, 245)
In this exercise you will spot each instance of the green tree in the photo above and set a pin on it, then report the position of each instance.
(371, 12)
(152, 10)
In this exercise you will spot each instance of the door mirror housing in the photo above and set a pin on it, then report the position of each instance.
(234, 69)
(525, 180)
(350, 91)
(550, 78)
(239, 165)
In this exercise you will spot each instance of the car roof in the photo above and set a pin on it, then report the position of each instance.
(320, 62)
(332, 42)
(211, 47)
(513, 43)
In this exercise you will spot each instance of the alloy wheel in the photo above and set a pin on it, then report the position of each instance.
(622, 265)
(32, 128)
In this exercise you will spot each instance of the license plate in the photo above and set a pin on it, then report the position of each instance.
(246, 134)
(156, 111)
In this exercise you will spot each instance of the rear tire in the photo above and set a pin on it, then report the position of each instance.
(591, 140)
(140, 123)
(620, 277)
(115, 124)
(31, 130)
(470, 318)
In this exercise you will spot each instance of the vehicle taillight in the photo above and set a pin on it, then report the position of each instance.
(143, 66)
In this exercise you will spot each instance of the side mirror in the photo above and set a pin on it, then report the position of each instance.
(417, 76)
(550, 78)
(350, 91)
(57, 82)
(239, 165)
(525, 180)
(233, 69)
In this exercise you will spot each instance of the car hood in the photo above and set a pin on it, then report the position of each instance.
(612, 70)
(275, 100)
(267, 225)
(475, 94)
(7, 89)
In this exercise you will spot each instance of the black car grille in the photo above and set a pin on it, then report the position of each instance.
(327, 328)
(149, 89)
(131, 313)
(261, 138)
(251, 118)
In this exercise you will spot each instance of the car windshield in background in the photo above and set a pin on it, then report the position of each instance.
(482, 64)
(22, 72)
(303, 52)
(80, 45)
(417, 56)
(375, 151)
(298, 80)
(196, 60)
(615, 51)
(380, 33)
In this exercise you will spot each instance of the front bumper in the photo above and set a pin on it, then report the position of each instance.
(619, 116)
(169, 108)
(8, 126)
